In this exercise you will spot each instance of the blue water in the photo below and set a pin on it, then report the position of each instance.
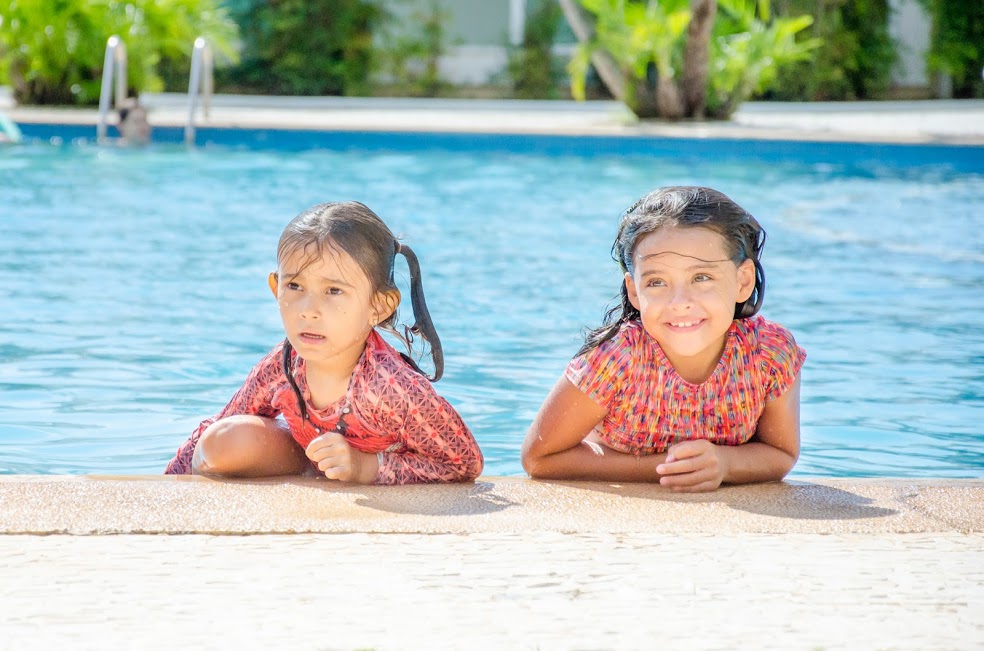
(133, 296)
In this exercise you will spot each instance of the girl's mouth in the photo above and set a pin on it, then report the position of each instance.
(685, 326)
(311, 338)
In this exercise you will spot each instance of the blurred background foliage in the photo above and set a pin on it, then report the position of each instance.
(304, 47)
(51, 51)
(855, 59)
(956, 48)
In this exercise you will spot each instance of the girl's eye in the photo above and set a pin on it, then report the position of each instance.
(293, 286)
(700, 278)
(655, 282)
(334, 291)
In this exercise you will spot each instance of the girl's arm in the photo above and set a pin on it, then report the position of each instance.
(558, 445)
(439, 446)
(694, 466)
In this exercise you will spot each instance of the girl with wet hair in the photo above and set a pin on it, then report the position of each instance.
(352, 408)
(684, 384)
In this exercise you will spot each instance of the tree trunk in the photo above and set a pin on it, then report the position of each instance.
(668, 101)
(696, 56)
(583, 27)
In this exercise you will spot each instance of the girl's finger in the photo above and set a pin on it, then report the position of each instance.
(686, 449)
(336, 472)
(677, 467)
(697, 476)
(328, 440)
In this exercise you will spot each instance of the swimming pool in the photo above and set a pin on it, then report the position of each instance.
(134, 299)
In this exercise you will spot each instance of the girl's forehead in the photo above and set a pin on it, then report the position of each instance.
(327, 260)
(695, 242)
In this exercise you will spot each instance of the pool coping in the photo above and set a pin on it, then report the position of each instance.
(926, 122)
(101, 504)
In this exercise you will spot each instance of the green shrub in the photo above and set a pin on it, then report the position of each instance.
(856, 59)
(305, 47)
(534, 71)
(52, 51)
(647, 41)
(957, 44)
(410, 56)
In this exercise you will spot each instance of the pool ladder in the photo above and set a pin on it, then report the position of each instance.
(115, 61)
(201, 82)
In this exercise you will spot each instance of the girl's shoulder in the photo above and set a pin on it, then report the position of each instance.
(270, 368)
(626, 349)
(773, 347)
(629, 336)
(765, 336)
(383, 365)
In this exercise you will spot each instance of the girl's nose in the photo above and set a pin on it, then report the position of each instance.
(309, 308)
(681, 296)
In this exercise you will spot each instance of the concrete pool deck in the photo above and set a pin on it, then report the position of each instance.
(930, 121)
(158, 562)
(502, 563)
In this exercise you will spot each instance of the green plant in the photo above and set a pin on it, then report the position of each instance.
(748, 51)
(305, 47)
(855, 60)
(411, 57)
(682, 59)
(534, 71)
(52, 51)
(957, 44)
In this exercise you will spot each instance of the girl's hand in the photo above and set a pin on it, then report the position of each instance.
(693, 467)
(338, 460)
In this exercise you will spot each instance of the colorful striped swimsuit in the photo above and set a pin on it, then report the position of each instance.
(388, 408)
(650, 407)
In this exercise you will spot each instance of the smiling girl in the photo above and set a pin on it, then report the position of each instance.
(353, 408)
(684, 385)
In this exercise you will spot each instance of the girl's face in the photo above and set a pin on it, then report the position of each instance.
(327, 307)
(686, 287)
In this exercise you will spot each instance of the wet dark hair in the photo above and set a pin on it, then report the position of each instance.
(683, 207)
(355, 229)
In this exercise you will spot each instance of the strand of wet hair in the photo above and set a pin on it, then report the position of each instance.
(423, 326)
(288, 371)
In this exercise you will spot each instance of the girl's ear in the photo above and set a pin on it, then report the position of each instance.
(385, 304)
(630, 289)
(746, 280)
(273, 281)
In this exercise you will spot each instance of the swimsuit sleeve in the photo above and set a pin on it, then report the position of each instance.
(254, 397)
(598, 373)
(781, 358)
(435, 445)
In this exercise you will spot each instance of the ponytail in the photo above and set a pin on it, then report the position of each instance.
(423, 326)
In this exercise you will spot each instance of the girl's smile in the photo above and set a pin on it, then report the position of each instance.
(685, 288)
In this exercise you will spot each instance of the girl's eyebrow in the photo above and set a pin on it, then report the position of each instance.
(331, 281)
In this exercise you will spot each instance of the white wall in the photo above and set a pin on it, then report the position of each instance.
(910, 27)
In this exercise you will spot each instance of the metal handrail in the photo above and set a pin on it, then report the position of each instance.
(115, 59)
(201, 80)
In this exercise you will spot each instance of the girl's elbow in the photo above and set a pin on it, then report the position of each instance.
(533, 465)
(786, 466)
(529, 461)
(474, 469)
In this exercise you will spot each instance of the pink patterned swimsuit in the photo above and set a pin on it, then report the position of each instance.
(388, 408)
(650, 407)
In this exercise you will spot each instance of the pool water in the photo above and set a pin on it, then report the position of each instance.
(134, 301)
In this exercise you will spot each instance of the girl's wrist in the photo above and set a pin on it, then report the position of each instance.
(369, 463)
